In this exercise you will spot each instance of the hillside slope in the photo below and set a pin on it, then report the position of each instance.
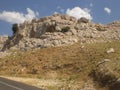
(78, 63)
(79, 54)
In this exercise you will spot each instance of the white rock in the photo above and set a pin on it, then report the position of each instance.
(111, 50)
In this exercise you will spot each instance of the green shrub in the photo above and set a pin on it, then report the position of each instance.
(15, 28)
(65, 29)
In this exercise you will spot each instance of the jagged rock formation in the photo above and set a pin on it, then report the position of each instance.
(2, 40)
(59, 30)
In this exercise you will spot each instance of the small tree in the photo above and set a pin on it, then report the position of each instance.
(15, 28)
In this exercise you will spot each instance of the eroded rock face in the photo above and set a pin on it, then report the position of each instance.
(2, 40)
(48, 32)
(106, 75)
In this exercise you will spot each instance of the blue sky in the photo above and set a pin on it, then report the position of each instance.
(12, 11)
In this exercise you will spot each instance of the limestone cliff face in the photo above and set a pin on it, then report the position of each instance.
(2, 40)
(59, 30)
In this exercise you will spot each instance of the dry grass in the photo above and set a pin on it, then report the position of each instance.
(69, 64)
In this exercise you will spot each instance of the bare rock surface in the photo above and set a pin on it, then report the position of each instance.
(60, 30)
(3, 38)
(106, 75)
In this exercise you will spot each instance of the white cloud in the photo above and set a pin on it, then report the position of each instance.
(55, 13)
(107, 10)
(60, 9)
(91, 5)
(78, 12)
(86, 10)
(17, 17)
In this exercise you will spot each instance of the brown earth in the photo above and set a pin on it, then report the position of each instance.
(72, 63)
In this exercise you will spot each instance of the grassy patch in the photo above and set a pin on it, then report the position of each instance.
(72, 63)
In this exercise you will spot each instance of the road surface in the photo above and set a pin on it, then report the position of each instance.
(6, 84)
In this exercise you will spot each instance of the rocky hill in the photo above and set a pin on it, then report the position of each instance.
(70, 54)
(60, 30)
(3, 40)
(93, 66)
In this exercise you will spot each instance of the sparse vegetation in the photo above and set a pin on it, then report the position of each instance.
(70, 63)
(15, 28)
(65, 29)
(46, 49)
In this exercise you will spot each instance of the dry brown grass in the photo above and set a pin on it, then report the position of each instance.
(69, 63)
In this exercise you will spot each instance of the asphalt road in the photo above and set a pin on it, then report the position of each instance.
(6, 84)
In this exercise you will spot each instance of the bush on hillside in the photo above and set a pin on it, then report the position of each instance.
(65, 29)
(15, 28)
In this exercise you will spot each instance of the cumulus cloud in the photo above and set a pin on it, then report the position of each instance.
(78, 12)
(107, 10)
(17, 17)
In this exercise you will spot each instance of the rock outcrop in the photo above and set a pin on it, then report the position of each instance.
(106, 75)
(59, 30)
(2, 40)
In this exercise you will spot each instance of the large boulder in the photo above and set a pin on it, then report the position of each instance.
(106, 73)
(83, 20)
